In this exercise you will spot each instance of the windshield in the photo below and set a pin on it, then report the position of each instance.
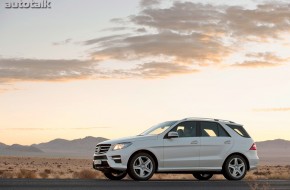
(158, 129)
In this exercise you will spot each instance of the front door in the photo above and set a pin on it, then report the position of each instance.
(182, 153)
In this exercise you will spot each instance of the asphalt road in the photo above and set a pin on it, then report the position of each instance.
(79, 184)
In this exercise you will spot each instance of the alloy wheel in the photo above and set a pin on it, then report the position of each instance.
(143, 166)
(237, 167)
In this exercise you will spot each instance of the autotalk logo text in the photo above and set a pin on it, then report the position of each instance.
(44, 4)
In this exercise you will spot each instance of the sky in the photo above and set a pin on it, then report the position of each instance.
(115, 68)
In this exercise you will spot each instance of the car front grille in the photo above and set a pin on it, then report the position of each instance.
(102, 148)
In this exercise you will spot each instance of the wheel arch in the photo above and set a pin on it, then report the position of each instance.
(146, 151)
(240, 154)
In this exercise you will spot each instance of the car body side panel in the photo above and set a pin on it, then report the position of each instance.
(181, 152)
(213, 151)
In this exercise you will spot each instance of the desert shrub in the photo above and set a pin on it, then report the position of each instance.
(6, 175)
(26, 174)
(43, 175)
(262, 173)
(85, 174)
(48, 171)
(279, 176)
(61, 173)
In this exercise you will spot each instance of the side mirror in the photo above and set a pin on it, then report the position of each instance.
(173, 134)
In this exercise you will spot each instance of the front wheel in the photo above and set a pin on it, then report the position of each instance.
(202, 176)
(235, 168)
(141, 167)
(115, 175)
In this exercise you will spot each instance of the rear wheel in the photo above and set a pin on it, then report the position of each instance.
(115, 175)
(202, 176)
(235, 168)
(141, 166)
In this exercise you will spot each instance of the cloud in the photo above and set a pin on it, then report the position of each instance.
(41, 129)
(255, 64)
(192, 48)
(282, 109)
(267, 20)
(117, 28)
(104, 39)
(15, 70)
(64, 42)
(157, 69)
(159, 42)
(262, 59)
(12, 70)
(149, 3)
(270, 56)
(153, 70)
(7, 89)
(196, 34)
(182, 17)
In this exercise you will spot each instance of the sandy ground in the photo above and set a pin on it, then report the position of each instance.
(28, 167)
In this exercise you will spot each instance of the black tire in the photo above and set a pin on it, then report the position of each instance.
(115, 175)
(144, 169)
(235, 168)
(202, 176)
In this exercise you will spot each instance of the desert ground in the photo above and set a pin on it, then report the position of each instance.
(66, 168)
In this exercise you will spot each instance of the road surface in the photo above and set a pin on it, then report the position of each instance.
(89, 184)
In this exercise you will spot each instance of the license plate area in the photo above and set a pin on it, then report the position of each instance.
(97, 162)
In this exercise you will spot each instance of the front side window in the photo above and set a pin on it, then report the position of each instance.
(158, 129)
(212, 129)
(186, 129)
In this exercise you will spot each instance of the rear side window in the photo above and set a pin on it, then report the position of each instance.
(240, 130)
(212, 129)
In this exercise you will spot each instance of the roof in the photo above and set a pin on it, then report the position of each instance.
(207, 119)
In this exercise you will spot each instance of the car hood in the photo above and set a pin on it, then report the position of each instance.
(129, 139)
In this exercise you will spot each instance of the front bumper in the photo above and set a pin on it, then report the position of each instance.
(112, 160)
(101, 163)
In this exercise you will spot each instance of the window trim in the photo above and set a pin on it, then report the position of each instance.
(218, 129)
(197, 130)
(243, 130)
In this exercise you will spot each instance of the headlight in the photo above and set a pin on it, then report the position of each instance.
(120, 146)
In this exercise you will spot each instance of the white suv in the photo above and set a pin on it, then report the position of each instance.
(199, 146)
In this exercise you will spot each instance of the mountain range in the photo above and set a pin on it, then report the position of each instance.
(78, 148)
(270, 152)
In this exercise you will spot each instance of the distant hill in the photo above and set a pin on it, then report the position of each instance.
(21, 148)
(2, 145)
(79, 147)
(274, 144)
(18, 150)
(274, 151)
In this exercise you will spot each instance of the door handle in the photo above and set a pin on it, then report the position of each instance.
(194, 142)
(228, 142)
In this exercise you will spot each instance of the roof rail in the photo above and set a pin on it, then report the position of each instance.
(205, 118)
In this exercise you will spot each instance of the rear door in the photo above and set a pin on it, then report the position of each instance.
(215, 142)
(182, 153)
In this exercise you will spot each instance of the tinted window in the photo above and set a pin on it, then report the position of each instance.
(240, 130)
(186, 129)
(212, 129)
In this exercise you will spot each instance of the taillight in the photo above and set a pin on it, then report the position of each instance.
(253, 147)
